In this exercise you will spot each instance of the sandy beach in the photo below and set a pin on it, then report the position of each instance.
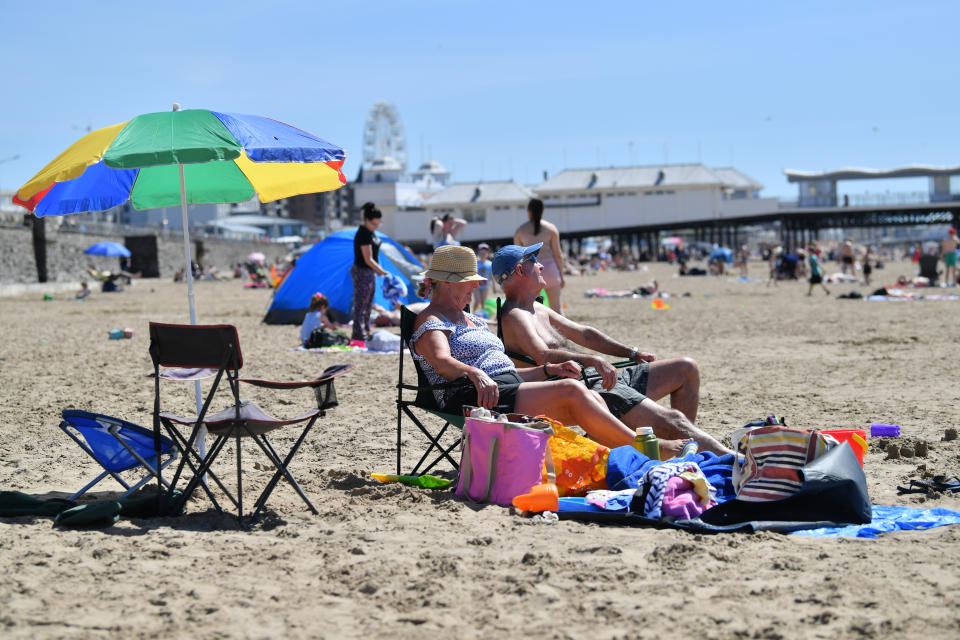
(397, 562)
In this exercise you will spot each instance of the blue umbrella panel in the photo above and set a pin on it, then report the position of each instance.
(109, 249)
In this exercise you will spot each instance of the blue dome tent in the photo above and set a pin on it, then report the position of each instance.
(326, 268)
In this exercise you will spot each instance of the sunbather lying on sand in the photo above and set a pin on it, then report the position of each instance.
(451, 344)
(631, 395)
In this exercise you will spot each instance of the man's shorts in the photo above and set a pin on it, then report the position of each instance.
(628, 392)
(950, 259)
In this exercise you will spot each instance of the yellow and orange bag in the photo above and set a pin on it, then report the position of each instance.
(580, 464)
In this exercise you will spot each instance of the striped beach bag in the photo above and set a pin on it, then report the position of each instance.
(772, 458)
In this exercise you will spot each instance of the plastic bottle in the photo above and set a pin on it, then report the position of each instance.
(647, 443)
(116, 334)
(689, 449)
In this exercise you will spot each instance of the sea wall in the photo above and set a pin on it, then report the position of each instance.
(66, 261)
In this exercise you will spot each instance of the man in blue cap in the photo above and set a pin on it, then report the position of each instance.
(631, 394)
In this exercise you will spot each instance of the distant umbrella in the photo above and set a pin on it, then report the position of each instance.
(111, 249)
(721, 253)
(256, 256)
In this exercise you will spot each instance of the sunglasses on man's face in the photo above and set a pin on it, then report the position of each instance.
(530, 258)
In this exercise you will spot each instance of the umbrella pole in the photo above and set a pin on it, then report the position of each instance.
(186, 251)
(202, 432)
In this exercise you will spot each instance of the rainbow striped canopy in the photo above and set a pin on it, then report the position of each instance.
(227, 157)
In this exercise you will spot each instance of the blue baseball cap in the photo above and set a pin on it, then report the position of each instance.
(506, 259)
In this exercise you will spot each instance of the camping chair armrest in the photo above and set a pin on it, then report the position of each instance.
(459, 382)
(328, 374)
(184, 374)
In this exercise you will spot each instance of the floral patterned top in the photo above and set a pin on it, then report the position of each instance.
(475, 346)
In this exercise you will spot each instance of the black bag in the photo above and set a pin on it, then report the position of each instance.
(320, 337)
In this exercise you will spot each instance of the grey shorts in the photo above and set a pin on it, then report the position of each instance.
(628, 392)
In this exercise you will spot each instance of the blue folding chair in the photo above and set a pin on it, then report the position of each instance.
(117, 446)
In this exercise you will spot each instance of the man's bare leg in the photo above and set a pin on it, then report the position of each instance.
(680, 379)
(670, 424)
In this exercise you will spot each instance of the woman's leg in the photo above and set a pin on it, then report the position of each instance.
(570, 402)
(364, 281)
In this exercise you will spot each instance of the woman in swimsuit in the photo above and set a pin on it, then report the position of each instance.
(551, 256)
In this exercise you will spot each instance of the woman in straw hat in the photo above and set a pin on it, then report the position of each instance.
(450, 343)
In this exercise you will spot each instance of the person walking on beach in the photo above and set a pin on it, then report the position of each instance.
(483, 268)
(631, 394)
(867, 265)
(846, 257)
(444, 230)
(535, 230)
(816, 274)
(773, 263)
(365, 269)
(948, 249)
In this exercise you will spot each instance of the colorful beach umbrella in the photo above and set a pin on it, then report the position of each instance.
(193, 156)
(110, 249)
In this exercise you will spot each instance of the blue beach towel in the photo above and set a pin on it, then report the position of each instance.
(626, 466)
(890, 519)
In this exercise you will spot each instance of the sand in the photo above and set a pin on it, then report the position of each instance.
(391, 561)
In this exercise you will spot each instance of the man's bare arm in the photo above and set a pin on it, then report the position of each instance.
(520, 335)
(594, 339)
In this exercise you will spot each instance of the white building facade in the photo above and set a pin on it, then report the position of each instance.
(590, 201)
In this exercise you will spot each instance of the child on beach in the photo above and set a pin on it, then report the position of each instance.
(316, 317)
(816, 275)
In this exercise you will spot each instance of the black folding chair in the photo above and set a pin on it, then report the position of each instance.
(928, 268)
(424, 400)
(188, 353)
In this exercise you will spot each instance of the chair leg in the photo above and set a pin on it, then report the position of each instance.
(204, 468)
(443, 454)
(434, 443)
(150, 476)
(89, 485)
(399, 421)
(239, 484)
(186, 453)
(282, 469)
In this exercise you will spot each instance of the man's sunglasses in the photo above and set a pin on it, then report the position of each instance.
(528, 258)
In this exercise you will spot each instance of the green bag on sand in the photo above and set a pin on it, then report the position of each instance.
(16, 503)
(147, 506)
(101, 513)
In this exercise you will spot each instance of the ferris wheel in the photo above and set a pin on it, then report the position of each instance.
(383, 135)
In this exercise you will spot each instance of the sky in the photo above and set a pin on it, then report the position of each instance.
(499, 90)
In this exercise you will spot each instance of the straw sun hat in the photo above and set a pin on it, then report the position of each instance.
(451, 263)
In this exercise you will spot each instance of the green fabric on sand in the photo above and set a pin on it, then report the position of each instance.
(100, 513)
(16, 503)
(92, 515)
(147, 506)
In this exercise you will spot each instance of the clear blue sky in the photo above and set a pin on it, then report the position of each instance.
(506, 89)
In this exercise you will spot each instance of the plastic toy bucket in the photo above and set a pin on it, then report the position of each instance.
(856, 437)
